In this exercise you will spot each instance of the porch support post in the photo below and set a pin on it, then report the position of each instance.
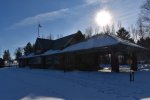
(44, 62)
(96, 59)
(27, 62)
(63, 62)
(114, 62)
(134, 62)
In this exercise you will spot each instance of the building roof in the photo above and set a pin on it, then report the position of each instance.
(28, 56)
(44, 43)
(100, 41)
(57, 44)
(62, 42)
(52, 46)
(50, 52)
(125, 42)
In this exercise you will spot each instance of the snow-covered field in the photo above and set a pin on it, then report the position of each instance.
(38, 84)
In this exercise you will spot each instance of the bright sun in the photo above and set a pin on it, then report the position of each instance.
(103, 18)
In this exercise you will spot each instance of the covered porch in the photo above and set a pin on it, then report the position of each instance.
(115, 53)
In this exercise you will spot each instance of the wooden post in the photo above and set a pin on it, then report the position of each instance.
(78, 62)
(134, 62)
(63, 61)
(114, 62)
(44, 62)
(96, 59)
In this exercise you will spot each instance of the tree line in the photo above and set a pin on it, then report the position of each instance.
(18, 53)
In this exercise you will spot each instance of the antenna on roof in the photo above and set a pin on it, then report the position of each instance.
(39, 26)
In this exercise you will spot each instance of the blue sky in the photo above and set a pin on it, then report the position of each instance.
(19, 18)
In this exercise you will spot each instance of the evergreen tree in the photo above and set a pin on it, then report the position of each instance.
(18, 53)
(28, 48)
(7, 56)
(124, 34)
(144, 42)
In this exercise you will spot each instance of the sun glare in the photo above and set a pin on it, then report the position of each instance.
(103, 18)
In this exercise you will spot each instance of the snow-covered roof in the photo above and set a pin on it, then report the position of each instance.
(99, 41)
(27, 56)
(30, 55)
(94, 42)
(125, 42)
(50, 52)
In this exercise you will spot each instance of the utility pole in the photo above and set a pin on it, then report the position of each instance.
(0, 53)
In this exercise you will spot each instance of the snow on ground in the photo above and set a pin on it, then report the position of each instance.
(38, 84)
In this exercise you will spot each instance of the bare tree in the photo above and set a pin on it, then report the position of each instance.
(109, 29)
(145, 17)
(97, 30)
(50, 37)
(134, 33)
(59, 36)
(88, 32)
(119, 25)
(140, 28)
(106, 29)
(113, 31)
